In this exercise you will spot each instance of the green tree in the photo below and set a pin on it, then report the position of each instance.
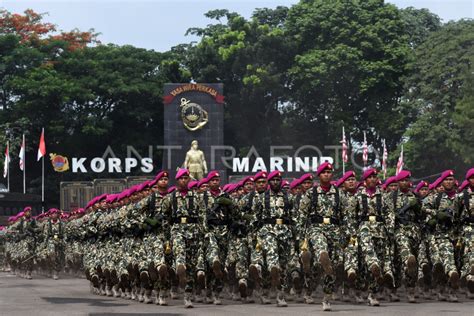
(440, 88)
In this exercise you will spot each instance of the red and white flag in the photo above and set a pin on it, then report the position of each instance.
(42, 146)
(400, 162)
(22, 154)
(344, 147)
(7, 161)
(365, 151)
(384, 160)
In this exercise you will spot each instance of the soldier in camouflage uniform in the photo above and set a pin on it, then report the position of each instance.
(442, 213)
(219, 220)
(407, 209)
(156, 239)
(466, 197)
(184, 212)
(375, 231)
(355, 272)
(54, 232)
(319, 228)
(275, 219)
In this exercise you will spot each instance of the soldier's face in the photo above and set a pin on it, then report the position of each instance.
(325, 176)
(350, 184)
(204, 187)
(275, 183)
(194, 146)
(448, 184)
(182, 182)
(306, 185)
(260, 185)
(214, 183)
(423, 192)
(249, 186)
(471, 182)
(439, 189)
(240, 191)
(392, 187)
(371, 181)
(163, 182)
(404, 184)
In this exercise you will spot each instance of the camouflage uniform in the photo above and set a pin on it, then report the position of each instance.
(275, 220)
(407, 210)
(55, 244)
(441, 213)
(376, 229)
(185, 215)
(319, 225)
(466, 199)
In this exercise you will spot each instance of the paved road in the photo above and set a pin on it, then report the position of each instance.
(70, 296)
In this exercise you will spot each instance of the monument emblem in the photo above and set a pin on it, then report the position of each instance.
(193, 115)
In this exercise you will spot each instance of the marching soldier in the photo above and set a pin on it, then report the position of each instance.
(376, 227)
(184, 210)
(441, 211)
(467, 229)
(319, 226)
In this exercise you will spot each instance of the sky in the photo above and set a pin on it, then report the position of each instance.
(161, 24)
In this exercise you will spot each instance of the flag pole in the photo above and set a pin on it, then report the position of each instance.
(343, 162)
(42, 184)
(8, 166)
(24, 165)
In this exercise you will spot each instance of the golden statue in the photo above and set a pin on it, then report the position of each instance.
(195, 161)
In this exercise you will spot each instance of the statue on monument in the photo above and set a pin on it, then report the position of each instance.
(195, 161)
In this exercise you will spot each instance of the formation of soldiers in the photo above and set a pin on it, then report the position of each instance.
(261, 239)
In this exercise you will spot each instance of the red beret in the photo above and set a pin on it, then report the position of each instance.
(344, 177)
(464, 185)
(295, 183)
(274, 174)
(26, 209)
(403, 175)
(192, 184)
(202, 181)
(171, 189)
(306, 176)
(324, 166)
(212, 174)
(246, 179)
(420, 185)
(285, 183)
(389, 181)
(161, 174)
(367, 173)
(470, 173)
(181, 173)
(260, 175)
(445, 174)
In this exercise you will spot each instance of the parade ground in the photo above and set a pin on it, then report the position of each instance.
(71, 296)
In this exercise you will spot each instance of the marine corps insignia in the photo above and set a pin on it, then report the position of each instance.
(60, 163)
(193, 115)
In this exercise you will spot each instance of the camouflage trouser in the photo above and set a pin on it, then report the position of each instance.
(442, 252)
(468, 252)
(217, 248)
(55, 254)
(90, 256)
(186, 242)
(125, 258)
(154, 246)
(324, 238)
(375, 250)
(238, 257)
(276, 249)
(407, 239)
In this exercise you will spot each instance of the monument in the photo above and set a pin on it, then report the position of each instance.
(194, 114)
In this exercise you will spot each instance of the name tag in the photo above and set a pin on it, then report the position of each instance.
(327, 220)
(372, 218)
(184, 220)
(279, 221)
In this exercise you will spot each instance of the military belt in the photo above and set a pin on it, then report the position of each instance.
(316, 219)
(372, 218)
(185, 220)
(276, 221)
